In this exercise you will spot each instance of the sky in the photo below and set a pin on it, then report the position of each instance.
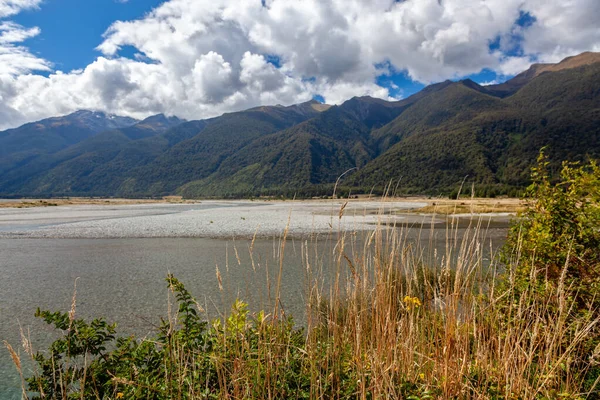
(200, 58)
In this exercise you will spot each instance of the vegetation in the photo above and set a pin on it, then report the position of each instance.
(393, 322)
(81, 164)
(559, 236)
(53, 134)
(554, 250)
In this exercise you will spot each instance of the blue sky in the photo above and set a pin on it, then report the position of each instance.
(70, 32)
(206, 57)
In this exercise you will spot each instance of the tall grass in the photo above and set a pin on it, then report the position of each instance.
(386, 317)
(403, 323)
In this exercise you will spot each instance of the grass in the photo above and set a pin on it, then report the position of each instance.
(385, 318)
(29, 203)
(411, 325)
(471, 206)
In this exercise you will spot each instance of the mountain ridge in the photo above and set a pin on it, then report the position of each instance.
(430, 141)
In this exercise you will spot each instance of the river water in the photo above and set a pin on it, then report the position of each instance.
(119, 256)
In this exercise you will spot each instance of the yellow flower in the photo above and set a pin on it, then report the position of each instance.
(120, 395)
(411, 301)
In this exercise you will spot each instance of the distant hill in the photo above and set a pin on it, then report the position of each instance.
(306, 158)
(67, 163)
(201, 155)
(151, 158)
(511, 86)
(18, 146)
(430, 142)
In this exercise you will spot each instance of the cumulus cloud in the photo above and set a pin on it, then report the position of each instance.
(12, 7)
(513, 65)
(200, 58)
(562, 28)
(16, 59)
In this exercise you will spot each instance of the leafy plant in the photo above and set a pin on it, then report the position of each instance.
(555, 252)
(558, 236)
(75, 360)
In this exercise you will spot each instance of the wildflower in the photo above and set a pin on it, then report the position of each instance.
(120, 395)
(410, 302)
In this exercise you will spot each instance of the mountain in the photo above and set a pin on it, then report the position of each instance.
(430, 142)
(19, 145)
(151, 126)
(152, 157)
(513, 85)
(451, 103)
(297, 157)
(491, 141)
(201, 155)
(32, 175)
(306, 157)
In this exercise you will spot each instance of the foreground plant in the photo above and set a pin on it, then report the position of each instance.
(555, 255)
(558, 237)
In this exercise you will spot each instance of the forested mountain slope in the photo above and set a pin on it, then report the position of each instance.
(491, 141)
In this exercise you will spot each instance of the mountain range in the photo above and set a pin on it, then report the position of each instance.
(431, 142)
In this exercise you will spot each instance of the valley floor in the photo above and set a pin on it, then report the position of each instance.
(239, 218)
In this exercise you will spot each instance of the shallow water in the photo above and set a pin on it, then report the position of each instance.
(122, 278)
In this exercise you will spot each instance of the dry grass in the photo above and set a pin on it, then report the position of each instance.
(408, 322)
(471, 206)
(29, 203)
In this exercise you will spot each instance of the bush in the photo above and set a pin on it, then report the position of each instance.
(558, 236)
(553, 253)
(188, 359)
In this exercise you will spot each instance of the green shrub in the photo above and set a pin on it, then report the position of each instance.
(554, 251)
(244, 356)
(558, 236)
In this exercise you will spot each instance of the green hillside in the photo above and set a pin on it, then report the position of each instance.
(304, 155)
(68, 171)
(21, 145)
(202, 154)
(150, 158)
(306, 160)
(490, 141)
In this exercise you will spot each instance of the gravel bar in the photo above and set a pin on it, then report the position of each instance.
(215, 219)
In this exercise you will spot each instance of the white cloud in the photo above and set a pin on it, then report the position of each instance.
(212, 78)
(339, 92)
(16, 59)
(200, 58)
(488, 83)
(12, 7)
(513, 65)
(562, 28)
